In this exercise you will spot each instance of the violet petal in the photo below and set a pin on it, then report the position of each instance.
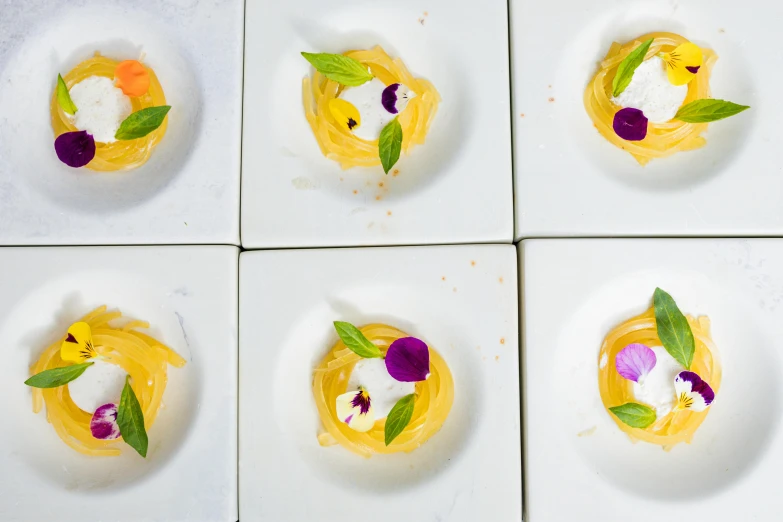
(389, 98)
(75, 149)
(692, 391)
(630, 124)
(408, 360)
(635, 361)
(104, 423)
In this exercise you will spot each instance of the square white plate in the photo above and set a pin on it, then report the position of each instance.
(462, 301)
(188, 192)
(579, 465)
(455, 188)
(189, 297)
(571, 181)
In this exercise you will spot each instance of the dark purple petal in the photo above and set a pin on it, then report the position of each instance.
(75, 149)
(362, 401)
(635, 361)
(389, 98)
(698, 385)
(104, 423)
(692, 68)
(408, 360)
(630, 124)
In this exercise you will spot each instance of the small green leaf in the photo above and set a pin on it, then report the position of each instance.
(673, 329)
(634, 415)
(64, 97)
(340, 68)
(705, 111)
(356, 341)
(390, 144)
(398, 418)
(57, 377)
(131, 420)
(625, 70)
(142, 122)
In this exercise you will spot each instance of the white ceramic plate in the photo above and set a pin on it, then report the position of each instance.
(454, 188)
(462, 301)
(188, 192)
(571, 181)
(579, 465)
(189, 297)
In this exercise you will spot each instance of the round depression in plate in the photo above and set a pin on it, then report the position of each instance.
(40, 319)
(730, 80)
(735, 433)
(28, 83)
(297, 418)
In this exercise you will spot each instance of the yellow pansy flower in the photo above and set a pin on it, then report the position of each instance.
(683, 63)
(345, 113)
(78, 346)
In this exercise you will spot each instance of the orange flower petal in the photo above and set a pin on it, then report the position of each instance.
(132, 77)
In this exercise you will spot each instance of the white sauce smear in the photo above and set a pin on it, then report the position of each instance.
(384, 389)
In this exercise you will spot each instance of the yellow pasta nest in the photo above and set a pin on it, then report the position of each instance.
(678, 425)
(340, 144)
(434, 398)
(663, 139)
(122, 154)
(142, 357)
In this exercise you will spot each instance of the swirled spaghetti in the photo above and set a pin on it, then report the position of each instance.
(121, 154)
(340, 144)
(663, 139)
(678, 425)
(434, 398)
(142, 357)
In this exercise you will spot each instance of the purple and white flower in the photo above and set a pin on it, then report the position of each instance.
(408, 360)
(395, 97)
(355, 409)
(635, 361)
(693, 393)
(104, 423)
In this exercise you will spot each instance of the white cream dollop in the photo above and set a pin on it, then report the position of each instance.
(100, 384)
(651, 92)
(657, 389)
(367, 100)
(100, 107)
(384, 389)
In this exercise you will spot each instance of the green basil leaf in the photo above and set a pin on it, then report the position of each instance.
(131, 420)
(390, 144)
(673, 329)
(705, 111)
(625, 70)
(399, 417)
(356, 341)
(57, 377)
(340, 68)
(142, 122)
(634, 415)
(64, 97)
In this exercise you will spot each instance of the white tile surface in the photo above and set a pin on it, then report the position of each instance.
(454, 188)
(578, 464)
(468, 471)
(189, 190)
(571, 181)
(189, 297)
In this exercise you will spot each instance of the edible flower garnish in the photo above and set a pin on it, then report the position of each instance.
(635, 361)
(395, 97)
(630, 124)
(104, 423)
(408, 360)
(75, 149)
(355, 409)
(346, 114)
(683, 63)
(693, 393)
(132, 78)
(78, 346)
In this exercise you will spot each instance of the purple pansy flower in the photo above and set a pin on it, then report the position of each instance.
(75, 149)
(630, 124)
(408, 360)
(635, 361)
(103, 424)
(395, 97)
(693, 393)
(354, 408)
